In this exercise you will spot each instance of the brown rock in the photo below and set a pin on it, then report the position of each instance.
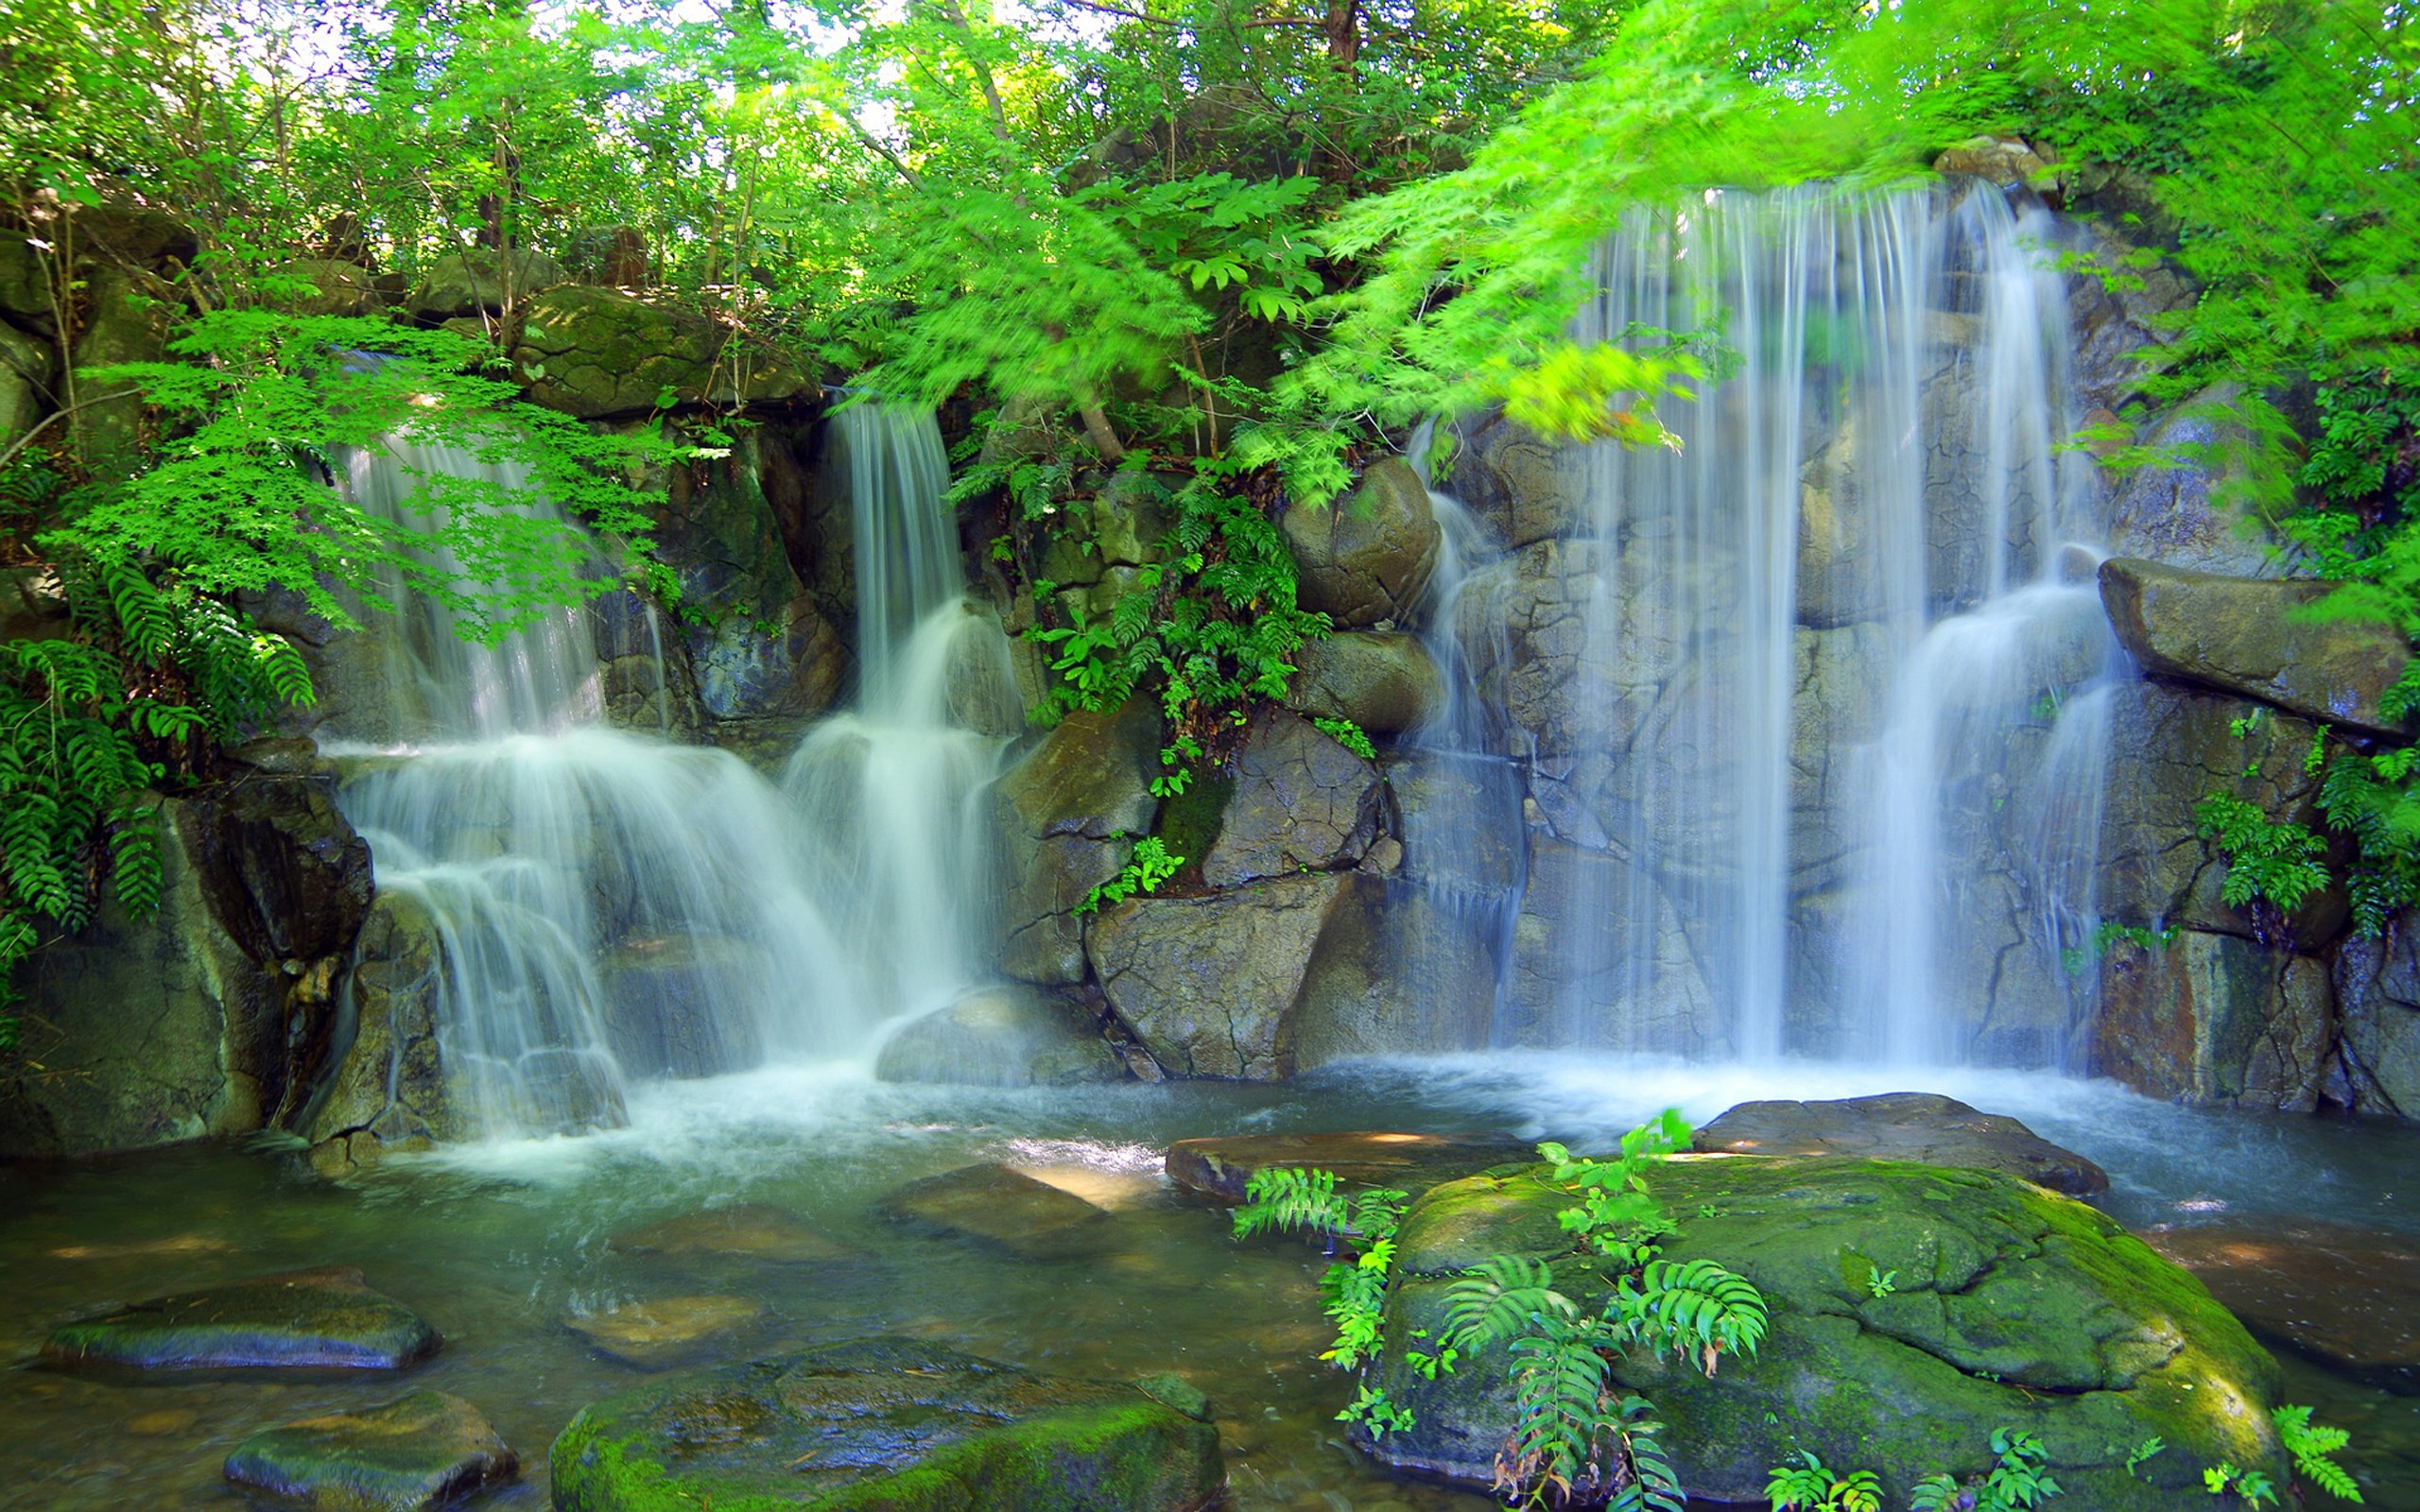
(663, 1331)
(1218, 1167)
(2348, 1298)
(1007, 1210)
(748, 1229)
(1924, 1128)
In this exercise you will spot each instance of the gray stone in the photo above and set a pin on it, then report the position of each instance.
(1064, 815)
(1209, 985)
(412, 1454)
(1004, 1208)
(1400, 967)
(1000, 1037)
(320, 287)
(1220, 1166)
(2252, 636)
(1460, 818)
(473, 283)
(387, 1092)
(1384, 682)
(667, 1002)
(27, 367)
(2170, 748)
(1837, 703)
(1573, 655)
(24, 286)
(126, 320)
(2174, 515)
(1521, 486)
(2214, 1019)
(1600, 961)
(325, 1319)
(2378, 1006)
(1366, 559)
(1302, 802)
(596, 351)
(905, 1425)
(1924, 1128)
(789, 665)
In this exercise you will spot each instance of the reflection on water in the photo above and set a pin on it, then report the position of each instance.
(495, 1243)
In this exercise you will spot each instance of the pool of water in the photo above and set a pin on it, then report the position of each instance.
(498, 1244)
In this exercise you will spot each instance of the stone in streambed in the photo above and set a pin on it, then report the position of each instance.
(1924, 1128)
(1219, 1168)
(2346, 1297)
(417, 1451)
(664, 1331)
(997, 1206)
(897, 1424)
(305, 1319)
(1008, 1035)
(748, 1228)
(2009, 1307)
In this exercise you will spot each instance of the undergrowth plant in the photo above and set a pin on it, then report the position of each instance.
(1144, 871)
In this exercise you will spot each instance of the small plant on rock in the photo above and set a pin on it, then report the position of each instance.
(1810, 1487)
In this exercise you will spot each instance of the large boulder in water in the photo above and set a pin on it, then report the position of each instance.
(2251, 636)
(1924, 1128)
(893, 1423)
(306, 1319)
(418, 1452)
(1366, 559)
(2206, 1018)
(1064, 816)
(2007, 1307)
(1007, 1036)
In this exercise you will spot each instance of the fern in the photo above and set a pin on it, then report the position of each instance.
(1502, 1298)
(1282, 1200)
(1809, 1487)
(2312, 1448)
(1697, 1309)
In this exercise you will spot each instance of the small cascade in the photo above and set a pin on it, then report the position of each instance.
(1799, 645)
(608, 905)
(886, 791)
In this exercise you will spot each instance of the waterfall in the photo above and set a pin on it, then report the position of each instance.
(1819, 645)
(887, 790)
(608, 905)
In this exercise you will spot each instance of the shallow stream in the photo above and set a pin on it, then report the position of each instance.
(498, 1244)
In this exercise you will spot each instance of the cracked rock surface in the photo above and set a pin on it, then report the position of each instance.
(2003, 1306)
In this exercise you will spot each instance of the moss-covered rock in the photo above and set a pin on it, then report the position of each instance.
(884, 1425)
(305, 1319)
(594, 352)
(418, 1452)
(2006, 1306)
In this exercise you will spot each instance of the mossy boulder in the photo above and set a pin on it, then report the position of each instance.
(595, 352)
(306, 1319)
(419, 1451)
(884, 1425)
(2006, 1306)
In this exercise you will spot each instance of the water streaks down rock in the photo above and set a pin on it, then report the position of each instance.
(305, 1319)
(415, 1453)
(891, 1423)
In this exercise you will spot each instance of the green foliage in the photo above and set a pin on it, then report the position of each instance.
(1347, 734)
(1144, 871)
(2108, 932)
(2313, 1447)
(1809, 1487)
(2252, 1487)
(2269, 860)
(1697, 1310)
(1881, 1282)
(2015, 1482)
(2142, 1453)
(1282, 1200)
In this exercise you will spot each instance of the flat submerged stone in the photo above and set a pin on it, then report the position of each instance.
(895, 1424)
(415, 1453)
(1220, 1167)
(752, 1230)
(1000, 1207)
(321, 1319)
(1924, 1128)
(665, 1331)
(2348, 1298)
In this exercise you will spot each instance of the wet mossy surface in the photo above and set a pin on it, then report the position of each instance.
(884, 1425)
(421, 1451)
(2006, 1306)
(324, 1320)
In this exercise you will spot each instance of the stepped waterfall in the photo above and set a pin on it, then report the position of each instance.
(1807, 703)
(613, 907)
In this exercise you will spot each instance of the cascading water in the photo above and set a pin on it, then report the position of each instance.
(1798, 645)
(886, 790)
(607, 905)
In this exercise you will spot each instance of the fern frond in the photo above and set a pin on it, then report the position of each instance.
(1501, 1299)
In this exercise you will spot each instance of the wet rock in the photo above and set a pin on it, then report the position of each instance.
(1398, 964)
(473, 284)
(596, 352)
(888, 1422)
(1302, 802)
(1600, 959)
(2243, 636)
(314, 1319)
(416, 1452)
(2378, 1007)
(2012, 1308)
(666, 1000)
(1220, 1165)
(387, 1092)
(2214, 1019)
(1924, 1128)
(2171, 746)
(1000, 1037)
(748, 1229)
(1005, 1208)
(1521, 486)
(663, 1331)
(1383, 682)
(1063, 816)
(1366, 559)
(2174, 515)
(1574, 642)
(1998, 160)
(788, 665)
(2347, 1298)
(1839, 700)
(1209, 985)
